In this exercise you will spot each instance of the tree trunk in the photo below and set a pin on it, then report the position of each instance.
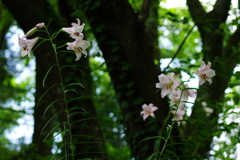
(129, 51)
(214, 51)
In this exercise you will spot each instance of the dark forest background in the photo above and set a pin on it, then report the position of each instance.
(130, 40)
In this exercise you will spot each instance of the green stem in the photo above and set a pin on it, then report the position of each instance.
(171, 126)
(179, 48)
(160, 134)
(68, 136)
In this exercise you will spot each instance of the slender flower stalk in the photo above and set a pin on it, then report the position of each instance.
(169, 127)
(179, 94)
(68, 135)
(79, 47)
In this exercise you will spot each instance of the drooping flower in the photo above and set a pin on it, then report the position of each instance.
(148, 111)
(187, 92)
(78, 47)
(34, 29)
(178, 115)
(205, 73)
(175, 98)
(167, 84)
(26, 45)
(75, 31)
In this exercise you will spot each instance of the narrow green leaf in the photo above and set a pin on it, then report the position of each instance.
(51, 131)
(74, 113)
(54, 47)
(85, 142)
(155, 137)
(51, 105)
(50, 120)
(76, 135)
(66, 156)
(61, 46)
(171, 152)
(70, 90)
(75, 84)
(76, 108)
(66, 51)
(188, 102)
(55, 34)
(57, 152)
(71, 66)
(53, 138)
(83, 120)
(46, 92)
(77, 98)
(149, 158)
(49, 22)
(47, 73)
(44, 40)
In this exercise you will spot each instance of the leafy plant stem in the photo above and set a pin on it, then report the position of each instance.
(171, 126)
(68, 136)
(160, 134)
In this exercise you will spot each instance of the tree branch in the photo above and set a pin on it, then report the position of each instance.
(179, 48)
(196, 9)
(144, 13)
(221, 8)
(232, 49)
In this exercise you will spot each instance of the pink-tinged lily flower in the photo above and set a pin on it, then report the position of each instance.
(178, 115)
(27, 45)
(78, 47)
(187, 92)
(175, 98)
(205, 73)
(75, 31)
(167, 84)
(148, 111)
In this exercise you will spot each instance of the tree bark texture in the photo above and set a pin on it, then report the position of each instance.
(129, 49)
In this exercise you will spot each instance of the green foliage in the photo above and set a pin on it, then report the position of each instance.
(175, 23)
(136, 5)
(107, 107)
(5, 151)
(6, 20)
(227, 138)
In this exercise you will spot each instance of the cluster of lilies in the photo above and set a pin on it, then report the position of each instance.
(178, 92)
(79, 46)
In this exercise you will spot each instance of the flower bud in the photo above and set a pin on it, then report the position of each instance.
(31, 32)
(40, 25)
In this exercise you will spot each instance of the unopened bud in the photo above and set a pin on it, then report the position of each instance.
(31, 32)
(40, 25)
